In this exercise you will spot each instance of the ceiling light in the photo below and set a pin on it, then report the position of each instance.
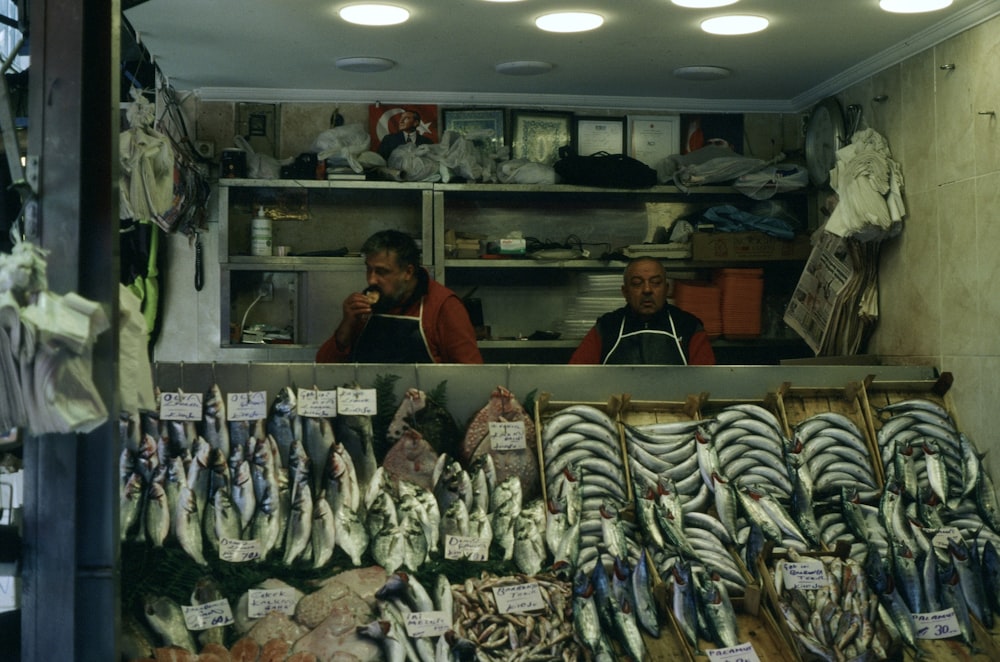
(702, 72)
(523, 67)
(703, 4)
(569, 21)
(912, 6)
(372, 14)
(365, 65)
(736, 24)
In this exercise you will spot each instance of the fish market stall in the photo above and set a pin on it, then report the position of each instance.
(429, 512)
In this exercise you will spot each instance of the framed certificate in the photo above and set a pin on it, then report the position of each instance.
(484, 126)
(538, 135)
(652, 138)
(600, 134)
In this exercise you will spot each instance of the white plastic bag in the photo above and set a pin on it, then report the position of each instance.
(260, 166)
(342, 146)
(764, 183)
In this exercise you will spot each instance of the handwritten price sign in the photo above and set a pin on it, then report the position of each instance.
(457, 548)
(518, 598)
(248, 406)
(209, 615)
(741, 653)
(507, 435)
(937, 624)
(356, 401)
(261, 601)
(314, 403)
(427, 623)
(239, 551)
(181, 406)
(805, 575)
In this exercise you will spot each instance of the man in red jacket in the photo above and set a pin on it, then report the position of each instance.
(648, 330)
(403, 316)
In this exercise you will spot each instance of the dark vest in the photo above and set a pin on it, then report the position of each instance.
(395, 338)
(662, 340)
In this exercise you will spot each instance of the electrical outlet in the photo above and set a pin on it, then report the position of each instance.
(205, 148)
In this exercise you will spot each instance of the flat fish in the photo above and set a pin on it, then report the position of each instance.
(503, 406)
(411, 459)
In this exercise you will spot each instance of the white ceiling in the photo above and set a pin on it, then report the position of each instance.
(447, 52)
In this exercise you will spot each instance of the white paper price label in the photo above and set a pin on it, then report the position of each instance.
(427, 623)
(457, 548)
(247, 406)
(260, 601)
(181, 406)
(239, 551)
(209, 615)
(945, 534)
(805, 574)
(739, 653)
(507, 435)
(518, 598)
(356, 401)
(937, 624)
(315, 403)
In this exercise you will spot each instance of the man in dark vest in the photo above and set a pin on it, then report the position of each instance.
(648, 330)
(403, 316)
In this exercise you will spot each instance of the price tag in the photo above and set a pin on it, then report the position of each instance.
(458, 548)
(427, 623)
(314, 403)
(518, 598)
(209, 615)
(507, 435)
(181, 406)
(738, 653)
(356, 401)
(260, 601)
(249, 406)
(239, 551)
(937, 624)
(805, 574)
(943, 535)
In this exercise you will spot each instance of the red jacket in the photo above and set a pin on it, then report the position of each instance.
(445, 323)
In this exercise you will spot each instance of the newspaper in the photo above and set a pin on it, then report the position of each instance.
(819, 299)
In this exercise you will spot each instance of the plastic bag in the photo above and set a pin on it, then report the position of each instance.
(342, 146)
(260, 166)
(763, 184)
(416, 163)
(523, 171)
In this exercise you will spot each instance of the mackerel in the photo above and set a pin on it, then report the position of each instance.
(970, 577)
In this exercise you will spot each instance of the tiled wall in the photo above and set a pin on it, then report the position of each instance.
(938, 280)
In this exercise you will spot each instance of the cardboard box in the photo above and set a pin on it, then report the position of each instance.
(747, 246)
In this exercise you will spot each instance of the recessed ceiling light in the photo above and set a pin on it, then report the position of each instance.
(736, 24)
(365, 65)
(703, 4)
(913, 6)
(569, 21)
(701, 72)
(524, 68)
(374, 14)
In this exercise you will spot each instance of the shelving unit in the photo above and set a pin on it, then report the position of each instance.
(520, 296)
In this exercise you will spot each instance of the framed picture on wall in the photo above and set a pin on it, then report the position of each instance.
(599, 134)
(391, 125)
(538, 135)
(652, 138)
(482, 126)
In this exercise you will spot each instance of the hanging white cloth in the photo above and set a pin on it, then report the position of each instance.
(869, 184)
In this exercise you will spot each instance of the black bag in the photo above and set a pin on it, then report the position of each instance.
(603, 169)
